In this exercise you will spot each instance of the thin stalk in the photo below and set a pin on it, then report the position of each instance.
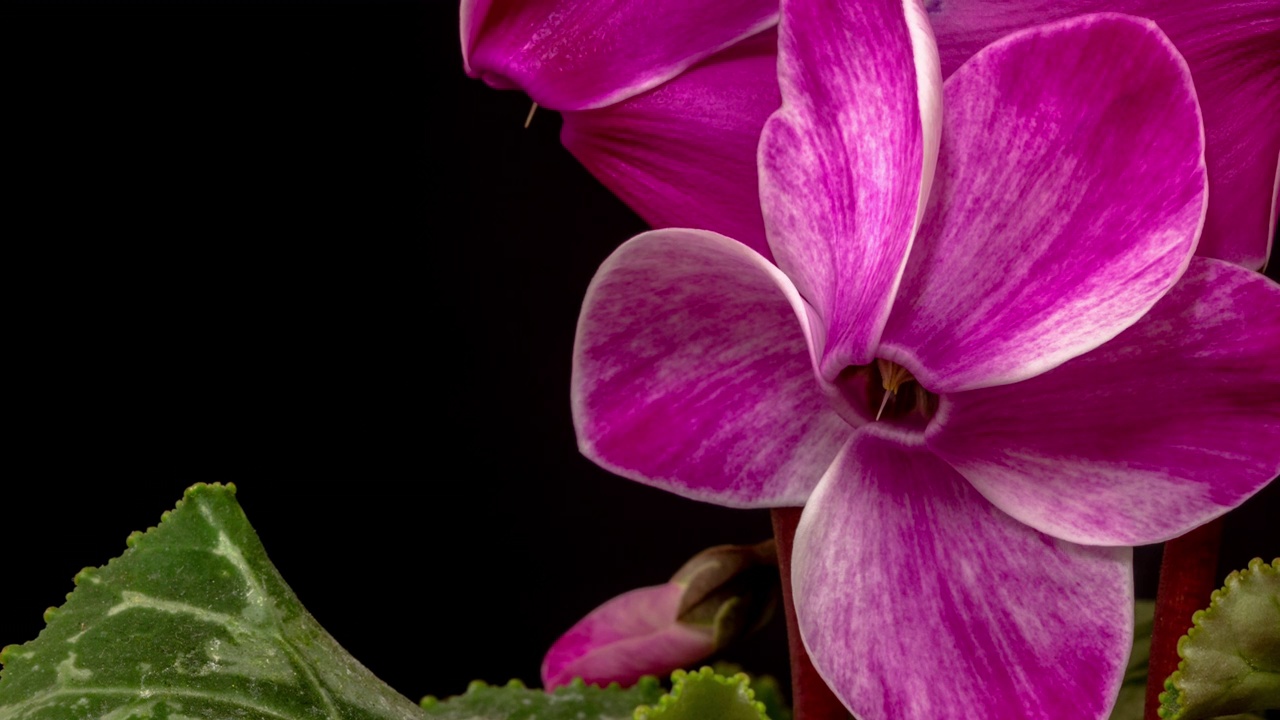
(811, 699)
(1188, 576)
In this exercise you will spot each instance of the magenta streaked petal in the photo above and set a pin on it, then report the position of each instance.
(1172, 423)
(846, 163)
(1233, 50)
(693, 372)
(896, 553)
(579, 54)
(631, 635)
(1069, 195)
(684, 153)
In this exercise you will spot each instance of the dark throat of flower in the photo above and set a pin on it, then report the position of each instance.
(897, 394)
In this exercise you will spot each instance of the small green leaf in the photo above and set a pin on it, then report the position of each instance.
(1133, 691)
(1231, 655)
(766, 688)
(731, 590)
(192, 621)
(575, 701)
(704, 695)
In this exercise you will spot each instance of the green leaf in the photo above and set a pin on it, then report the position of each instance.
(769, 693)
(192, 621)
(731, 590)
(1231, 655)
(1133, 691)
(704, 695)
(575, 701)
(766, 688)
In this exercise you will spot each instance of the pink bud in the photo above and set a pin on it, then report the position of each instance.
(720, 594)
(634, 634)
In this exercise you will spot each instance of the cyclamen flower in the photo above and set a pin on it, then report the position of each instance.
(670, 124)
(1065, 379)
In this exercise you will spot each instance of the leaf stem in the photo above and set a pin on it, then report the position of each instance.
(1188, 576)
(811, 699)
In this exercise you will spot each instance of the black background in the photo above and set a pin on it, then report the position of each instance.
(292, 246)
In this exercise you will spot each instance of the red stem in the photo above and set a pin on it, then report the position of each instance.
(1188, 576)
(811, 699)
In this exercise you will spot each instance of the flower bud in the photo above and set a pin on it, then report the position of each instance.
(721, 593)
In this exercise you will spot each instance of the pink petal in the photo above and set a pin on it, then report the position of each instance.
(846, 163)
(1069, 195)
(692, 372)
(1167, 426)
(631, 635)
(578, 54)
(684, 153)
(918, 599)
(1233, 50)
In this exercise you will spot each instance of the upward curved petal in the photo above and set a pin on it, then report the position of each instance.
(917, 598)
(1233, 50)
(579, 54)
(1069, 196)
(634, 634)
(692, 372)
(846, 163)
(684, 153)
(1172, 423)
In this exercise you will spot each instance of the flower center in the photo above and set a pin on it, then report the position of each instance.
(899, 393)
(885, 391)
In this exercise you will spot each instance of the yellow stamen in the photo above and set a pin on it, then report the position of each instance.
(892, 377)
(884, 402)
(529, 118)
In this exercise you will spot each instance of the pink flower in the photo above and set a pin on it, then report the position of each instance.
(1064, 379)
(664, 102)
(720, 594)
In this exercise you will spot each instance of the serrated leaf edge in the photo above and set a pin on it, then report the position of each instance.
(87, 574)
(646, 683)
(1169, 696)
(678, 680)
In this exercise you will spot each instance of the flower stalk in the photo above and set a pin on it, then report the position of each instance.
(811, 698)
(1188, 576)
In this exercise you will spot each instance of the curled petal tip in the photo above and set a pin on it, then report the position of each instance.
(719, 594)
(634, 634)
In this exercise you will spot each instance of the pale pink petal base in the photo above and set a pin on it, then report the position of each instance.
(629, 636)
(1069, 193)
(693, 372)
(845, 163)
(917, 598)
(1172, 423)
(684, 153)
